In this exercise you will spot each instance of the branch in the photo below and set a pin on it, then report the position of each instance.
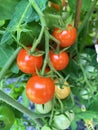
(78, 11)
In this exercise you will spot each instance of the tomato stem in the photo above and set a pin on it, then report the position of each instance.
(56, 72)
(85, 78)
(20, 44)
(52, 112)
(61, 104)
(87, 16)
(54, 39)
(36, 42)
(43, 24)
(46, 51)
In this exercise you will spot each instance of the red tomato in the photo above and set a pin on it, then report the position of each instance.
(28, 63)
(40, 89)
(66, 37)
(59, 61)
(57, 6)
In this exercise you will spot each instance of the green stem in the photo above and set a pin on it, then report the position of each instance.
(53, 69)
(20, 44)
(61, 105)
(23, 16)
(12, 102)
(52, 112)
(9, 62)
(43, 24)
(85, 77)
(35, 44)
(54, 39)
(46, 51)
(87, 16)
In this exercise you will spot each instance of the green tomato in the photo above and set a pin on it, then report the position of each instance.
(7, 117)
(44, 108)
(85, 94)
(61, 122)
(70, 115)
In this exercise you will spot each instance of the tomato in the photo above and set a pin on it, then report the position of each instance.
(7, 117)
(59, 61)
(70, 115)
(40, 89)
(57, 6)
(85, 94)
(61, 121)
(67, 37)
(62, 90)
(44, 108)
(28, 63)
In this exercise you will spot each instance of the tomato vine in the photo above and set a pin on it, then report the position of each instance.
(34, 25)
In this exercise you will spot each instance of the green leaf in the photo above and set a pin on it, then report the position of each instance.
(7, 8)
(23, 13)
(34, 16)
(73, 125)
(5, 52)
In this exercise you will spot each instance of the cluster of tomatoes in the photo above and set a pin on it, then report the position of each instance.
(40, 89)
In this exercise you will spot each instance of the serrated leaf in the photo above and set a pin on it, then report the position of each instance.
(23, 13)
(34, 15)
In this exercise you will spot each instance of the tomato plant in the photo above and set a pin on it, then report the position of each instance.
(40, 89)
(61, 35)
(59, 61)
(62, 90)
(67, 37)
(7, 117)
(28, 63)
